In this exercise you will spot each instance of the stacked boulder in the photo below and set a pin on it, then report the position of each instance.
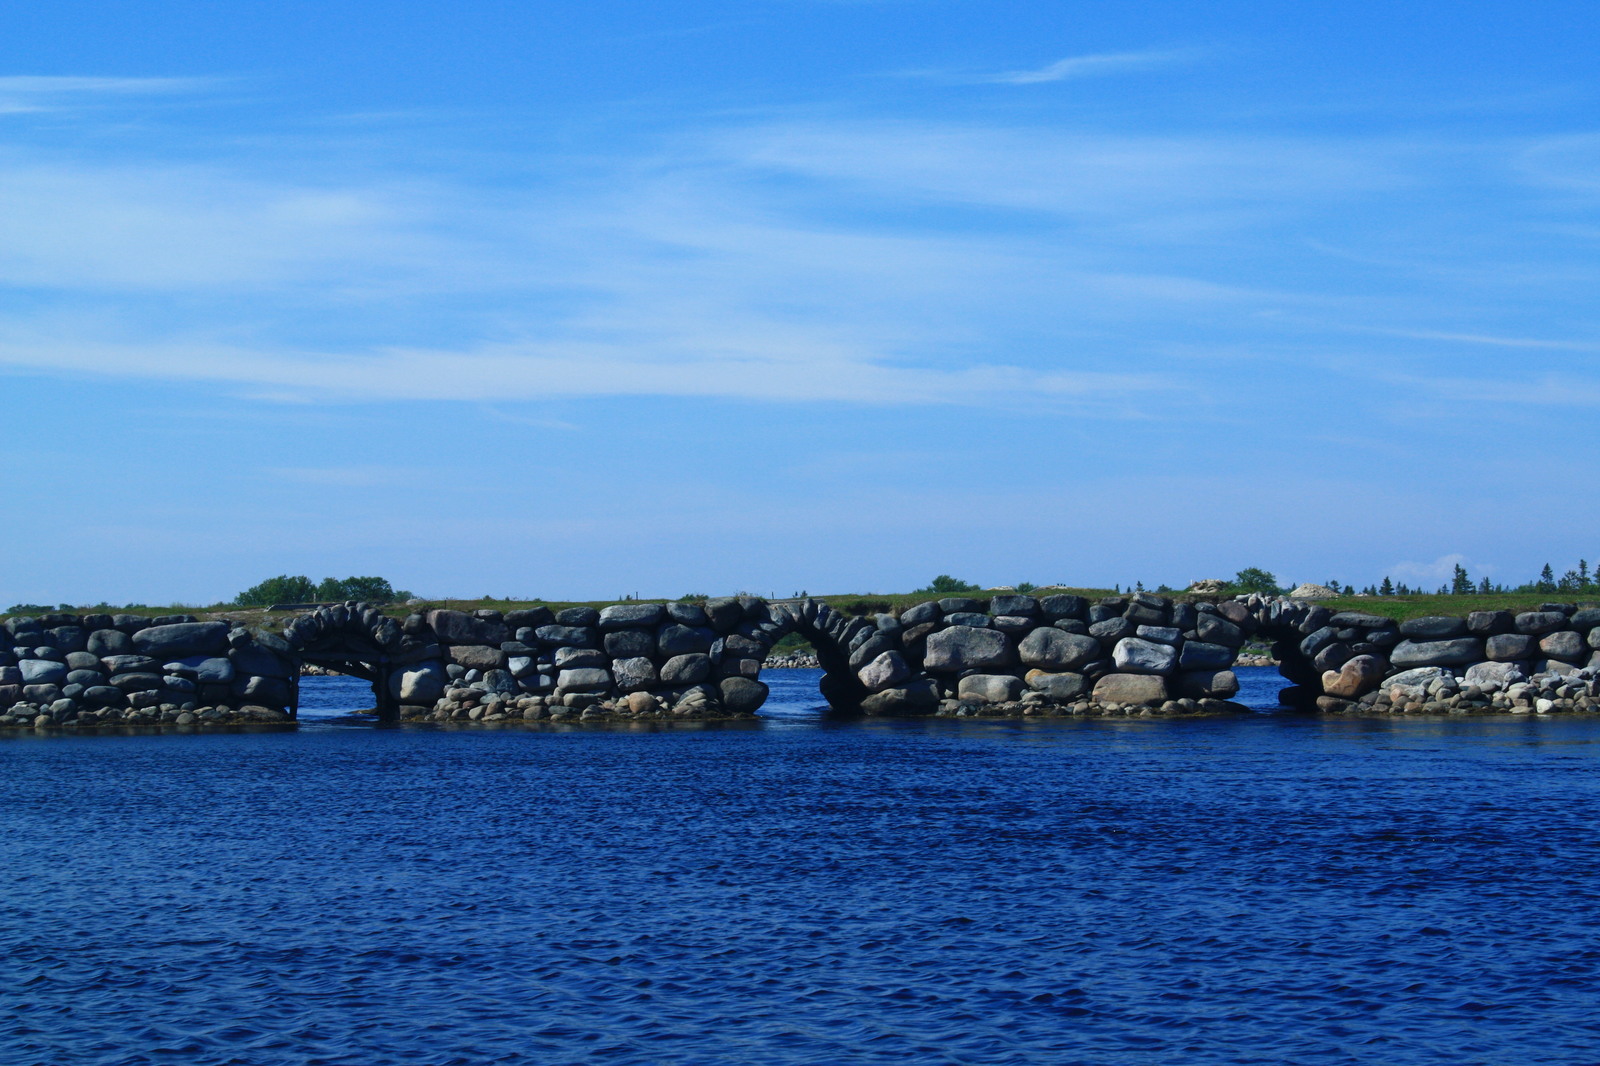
(1062, 654)
(1351, 661)
(629, 660)
(69, 670)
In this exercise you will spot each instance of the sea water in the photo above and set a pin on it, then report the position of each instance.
(1263, 889)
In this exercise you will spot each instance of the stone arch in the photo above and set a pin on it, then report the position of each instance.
(354, 638)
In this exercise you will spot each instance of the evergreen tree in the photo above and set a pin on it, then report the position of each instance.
(1461, 584)
(1387, 588)
(1484, 587)
(1547, 580)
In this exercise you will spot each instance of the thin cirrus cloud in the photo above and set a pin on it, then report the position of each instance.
(1094, 66)
(24, 93)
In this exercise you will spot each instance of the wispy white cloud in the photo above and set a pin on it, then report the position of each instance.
(21, 93)
(1092, 66)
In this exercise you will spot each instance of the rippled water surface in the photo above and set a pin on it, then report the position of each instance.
(1266, 890)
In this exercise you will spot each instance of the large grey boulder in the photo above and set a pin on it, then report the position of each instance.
(130, 664)
(1207, 684)
(1434, 627)
(476, 656)
(521, 666)
(182, 640)
(458, 627)
(725, 613)
(1214, 629)
(1538, 623)
(678, 639)
(688, 669)
(962, 605)
(104, 642)
(869, 649)
(922, 612)
(584, 617)
(1061, 687)
(421, 684)
(1488, 623)
(1055, 651)
(989, 688)
(1135, 656)
(742, 695)
(1110, 630)
(583, 679)
(254, 660)
(914, 698)
(1056, 608)
(1498, 675)
(1130, 689)
(213, 670)
(630, 643)
(42, 672)
(634, 675)
(555, 636)
(886, 670)
(1458, 652)
(1022, 606)
(1509, 647)
(1565, 645)
(1159, 634)
(630, 616)
(1413, 684)
(959, 648)
(567, 658)
(969, 618)
(1198, 655)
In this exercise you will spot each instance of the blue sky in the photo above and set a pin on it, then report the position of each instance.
(567, 300)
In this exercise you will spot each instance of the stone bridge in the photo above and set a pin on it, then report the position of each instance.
(1005, 655)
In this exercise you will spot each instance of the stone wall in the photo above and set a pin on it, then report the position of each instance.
(67, 668)
(1487, 661)
(1008, 655)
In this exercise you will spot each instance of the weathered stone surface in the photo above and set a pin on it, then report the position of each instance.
(1061, 686)
(1345, 619)
(962, 605)
(1508, 647)
(1055, 608)
(1538, 623)
(1135, 656)
(1458, 652)
(1199, 655)
(1502, 675)
(267, 691)
(916, 698)
(1014, 624)
(1318, 639)
(530, 618)
(1488, 623)
(585, 617)
(687, 669)
(630, 643)
(42, 672)
(521, 666)
(725, 613)
(104, 642)
(82, 660)
(573, 658)
(476, 657)
(1144, 612)
(742, 695)
(1565, 645)
(1214, 629)
(1159, 634)
(1586, 619)
(554, 636)
(1333, 657)
(989, 688)
(973, 619)
(1055, 651)
(211, 670)
(887, 670)
(922, 612)
(678, 639)
(1023, 606)
(458, 627)
(1355, 678)
(875, 644)
(1130, 689)
(1412, 684)
(1110, 630)
(583, 679)
(1433, 627)
(634, 674)
(961, 648)
(182, 639)
(630, 616)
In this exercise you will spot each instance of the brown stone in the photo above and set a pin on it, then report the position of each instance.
(1355, 679)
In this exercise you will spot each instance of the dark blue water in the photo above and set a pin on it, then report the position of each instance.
(1262, 890)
